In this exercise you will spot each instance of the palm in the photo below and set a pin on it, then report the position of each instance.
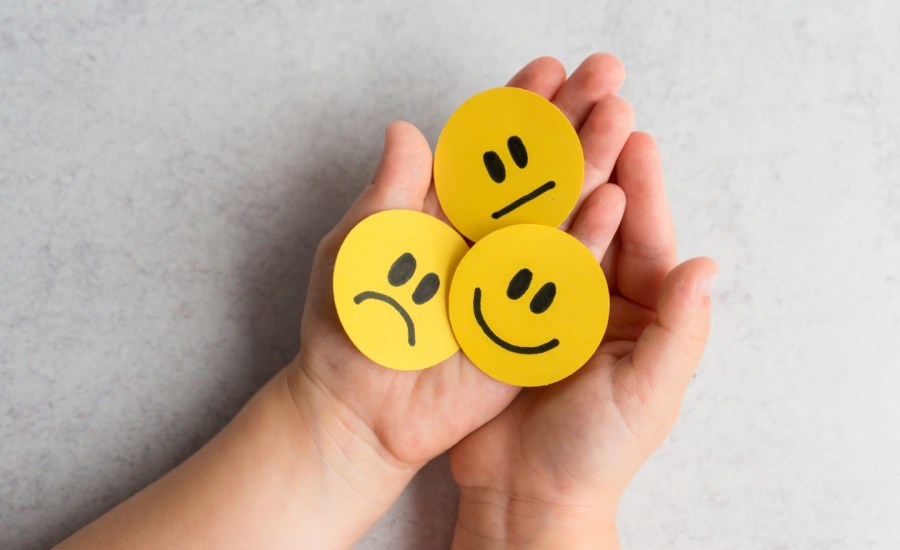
(415, 415)
(586, 433)
(589, 433)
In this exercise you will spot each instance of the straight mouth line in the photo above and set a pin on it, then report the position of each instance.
(524, 350)
(370, 295)
(523, 199)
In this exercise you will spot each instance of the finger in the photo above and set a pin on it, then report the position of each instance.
(401, 180)
(542, 76)
(647, 239)
(609, 265)
(432, 207)
(627, 320)
(603, 135)
(598, 219)
(666, 355)
(598, 76)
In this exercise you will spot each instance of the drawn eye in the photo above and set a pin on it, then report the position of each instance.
(426, 289)
(543, 298)
(519, 284)
(402, 269)
(517, 150)
(494, 166)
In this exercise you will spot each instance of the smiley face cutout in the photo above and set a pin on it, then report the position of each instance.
(391, 281)
(529, 304)
(507, 156)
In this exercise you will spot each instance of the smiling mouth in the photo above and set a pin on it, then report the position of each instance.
(524, 350)
(370, 295)
(523, 200)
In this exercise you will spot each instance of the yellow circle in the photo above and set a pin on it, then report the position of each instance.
(507, 156)
(529, 305)
(391, 281)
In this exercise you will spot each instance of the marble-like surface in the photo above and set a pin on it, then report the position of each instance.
(167, 168)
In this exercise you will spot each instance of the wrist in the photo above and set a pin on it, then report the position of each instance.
(489, 518)
(284, 469)
(352, 479)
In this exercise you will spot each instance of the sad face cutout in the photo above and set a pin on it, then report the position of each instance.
(391, 281)
(507, 156)
(529, 305)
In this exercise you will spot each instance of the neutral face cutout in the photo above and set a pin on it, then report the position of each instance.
(497, 171)
(507, 156)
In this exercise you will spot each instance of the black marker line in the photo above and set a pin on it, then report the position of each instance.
(369, 295)
(524, 350)
(523, 199)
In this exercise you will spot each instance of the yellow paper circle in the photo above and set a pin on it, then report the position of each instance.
(529, 304)
(507, 156)
(391, 282)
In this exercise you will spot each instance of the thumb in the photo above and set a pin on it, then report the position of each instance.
(666, 355)
(401, 180)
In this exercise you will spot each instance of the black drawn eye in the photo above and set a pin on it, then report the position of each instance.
(494, 166)
(426, 289)
(519, 284)
(402, 269)
(517, 150)
(543, 298)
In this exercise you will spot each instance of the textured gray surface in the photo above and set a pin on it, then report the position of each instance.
(166, 170)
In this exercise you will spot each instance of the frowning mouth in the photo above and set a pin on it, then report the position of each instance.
(524, 199)
(370, 295)
(524, 350)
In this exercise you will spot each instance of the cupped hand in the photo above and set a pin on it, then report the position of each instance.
(574, 445)
(413, 416)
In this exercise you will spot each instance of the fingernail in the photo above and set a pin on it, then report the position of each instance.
(705, 285)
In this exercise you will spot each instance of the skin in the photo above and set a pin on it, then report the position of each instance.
(550, 469)
(326, 447)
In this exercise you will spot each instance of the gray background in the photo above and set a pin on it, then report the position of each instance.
(166, 171)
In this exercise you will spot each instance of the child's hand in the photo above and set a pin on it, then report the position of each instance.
(407, 418)
(549, 470)
(324, 449)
